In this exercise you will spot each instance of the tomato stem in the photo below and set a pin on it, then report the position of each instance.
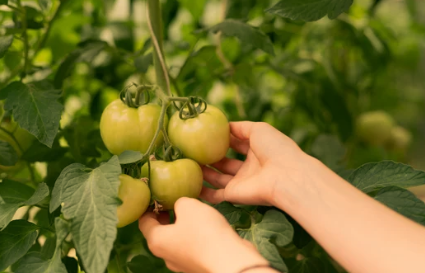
(165, 104)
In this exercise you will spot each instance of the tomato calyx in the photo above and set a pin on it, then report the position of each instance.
(192, 107)
(138, 98)
(169, 153)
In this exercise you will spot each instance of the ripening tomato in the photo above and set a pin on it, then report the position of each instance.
(135, 196)
(171, 180)
(374, 127)
(204, 138)
(125, 128)
(400, 139)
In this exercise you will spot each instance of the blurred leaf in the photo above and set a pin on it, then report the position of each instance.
(403, 202)
(71, 264)
(169, 12)
(274, 229)
(374, 176)
(34, 18)
(329, 149)
(310, 10)
(38, 152)
(90, 202)
(196, 8)
(246, 33)
(16, 239)
(86, 53)
(44, 4)
(147, 264)
(36, 262)
(5, 43)
(35, 108)
(142, 62)
(13, 195)
(3, 2)
(8, 155)
(123, 35)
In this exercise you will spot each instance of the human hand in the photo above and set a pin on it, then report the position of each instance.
(271, 158)
(201, 240)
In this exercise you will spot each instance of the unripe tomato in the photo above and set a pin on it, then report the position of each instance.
(204, 138)
(135, 196)
(125, 128)
(400, 139)
(374, 127)
(171, 180)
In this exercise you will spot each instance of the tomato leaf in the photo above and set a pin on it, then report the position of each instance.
(142, 62)
(38, 152)
(44, 4)
(36, 262)
(35, 108)
(374, 176)
(147, 264)
(5, 43)
(237, 217)
(196, 8)
(273, 230)
(13, 195)
(89, 199)
(312, 265)
(128, 157)
(8, 155)
(16, 239)
(3, 2)
(246, 33)
(403, 202)
(329, 149)
(310, 10)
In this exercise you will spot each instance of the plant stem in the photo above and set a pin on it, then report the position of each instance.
(155, 29)
(25, 36)
(43, 39)
(165, 104)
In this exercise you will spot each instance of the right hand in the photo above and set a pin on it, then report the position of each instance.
(273, 160)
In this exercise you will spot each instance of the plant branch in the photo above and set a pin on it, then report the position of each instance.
(55, 16)
(165, 104)
(155, 29)
(24, 35)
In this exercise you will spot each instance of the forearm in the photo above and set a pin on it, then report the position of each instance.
(359, 232)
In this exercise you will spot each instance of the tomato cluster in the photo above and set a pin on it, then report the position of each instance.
(201, 139)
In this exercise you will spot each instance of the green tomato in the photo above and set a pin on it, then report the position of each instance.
(124, 128)
(374, 127)
(204, 138)
(171, 180)
(135, 196)
(400, 139)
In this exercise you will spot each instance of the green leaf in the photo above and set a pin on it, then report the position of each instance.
(403, 202)
(16, 239)
(142, 62)
(5, 43)
(196, 8)
(38, 152)
(374, 176)
(86, 53)
(89, 199)
(147, 264)
(3, 2)
(13, 195)
(237, 217)
(8, 155)
(44, 4)
(310, 10)
(274, 229)
(35, 108)
(128, 157)
(329, 149)
(247, 34)
(37, 263)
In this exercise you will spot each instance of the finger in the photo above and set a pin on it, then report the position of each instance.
(172, 267)
(249, 244)
(228, 165)
(212, 196)
(216, 179)
(241, 129)
(240, 146)
(148, 224)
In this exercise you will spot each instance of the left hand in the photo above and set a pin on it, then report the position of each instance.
(201, 240)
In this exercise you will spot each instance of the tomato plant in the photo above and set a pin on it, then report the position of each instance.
(86, 89)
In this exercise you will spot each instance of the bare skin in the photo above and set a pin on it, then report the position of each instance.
(278, 173)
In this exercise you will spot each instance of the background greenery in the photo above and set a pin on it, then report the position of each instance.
(311, 80)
